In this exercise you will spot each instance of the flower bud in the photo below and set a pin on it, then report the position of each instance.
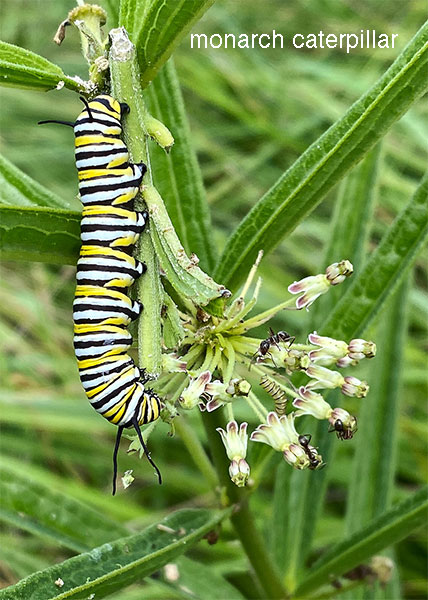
(281, 435)
(338, 272)
(238, 387)
(354, 387)
(359, 349)
(190, 396)
(323, 378)
(346, 361)
(235, 442)
(310, 289)
(290, 358)
(311, 403)
(239, 472)
(330, 350)
(172, 363)
(344, 424)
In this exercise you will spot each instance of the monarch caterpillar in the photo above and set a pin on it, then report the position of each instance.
(110, 227)
(273, 389)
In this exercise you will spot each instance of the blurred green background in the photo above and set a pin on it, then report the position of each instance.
(252, 113)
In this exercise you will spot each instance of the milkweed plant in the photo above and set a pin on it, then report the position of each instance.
(199, 335)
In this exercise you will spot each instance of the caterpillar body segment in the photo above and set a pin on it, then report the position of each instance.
(110, 227)
(275, 391)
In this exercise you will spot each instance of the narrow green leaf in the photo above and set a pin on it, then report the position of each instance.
(164, 26)
(182, 272)
(391, 527)
(376, 451)
(42, 235)
(177, 174)
(52, 515)
(348, 239)
(111, 567)
(376, 445)
(383, 271)
(305, 184)
(201, 582)
(22, 68)
(132, 14)
(18, 189)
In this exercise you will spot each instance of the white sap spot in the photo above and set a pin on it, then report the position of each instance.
(95, 554)
(60, 85)
(59, 582)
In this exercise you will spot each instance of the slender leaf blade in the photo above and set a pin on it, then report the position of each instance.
(177, 174)
(164, 26)
(304, 185)
(52, 515)
(25, 69)
(383, 271)
(392, 526)
(18, 189)
(41, 235)
(114, 565)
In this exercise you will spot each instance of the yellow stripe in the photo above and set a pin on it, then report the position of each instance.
(88, 173)
(87, 140)
(87, 363)
(114, 112)
(116, 162)
(89, 290)
(109, 210)
(126, 241)
(125, 197)
(87, 328)
(94, 250)
(100, 388)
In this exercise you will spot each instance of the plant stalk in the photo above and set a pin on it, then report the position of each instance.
(242, 519)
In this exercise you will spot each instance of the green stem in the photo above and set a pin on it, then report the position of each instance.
(125, 81)
(262, 317)
(196, 450)
(242, 520)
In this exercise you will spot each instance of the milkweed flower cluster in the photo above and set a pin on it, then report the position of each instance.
(220, 365)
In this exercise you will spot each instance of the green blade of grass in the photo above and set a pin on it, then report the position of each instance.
(164, 26)
(305, 184)
(52, 515)
(109, 568)
(376, 451)
(348, 238)
(391, 527)
(18, 189)
(177, 174)
(42, 234)
(21, 68)
(383, 271)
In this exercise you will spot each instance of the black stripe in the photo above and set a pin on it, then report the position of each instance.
(100, 403)
(82, 307)
(83, 155)
(115, 136)
(132, 183)
(108, 269)
(98, 120)
(81, 345)
(105, 103)
(122, 367)
(94, 228)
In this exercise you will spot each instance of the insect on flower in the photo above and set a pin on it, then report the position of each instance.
(274, 339)
(314, 458)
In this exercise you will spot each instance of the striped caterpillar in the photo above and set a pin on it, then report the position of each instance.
(273, 389)
(110, 227)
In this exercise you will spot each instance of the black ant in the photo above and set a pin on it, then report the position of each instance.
(274, 339)
(311, 453)
(342, 432)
